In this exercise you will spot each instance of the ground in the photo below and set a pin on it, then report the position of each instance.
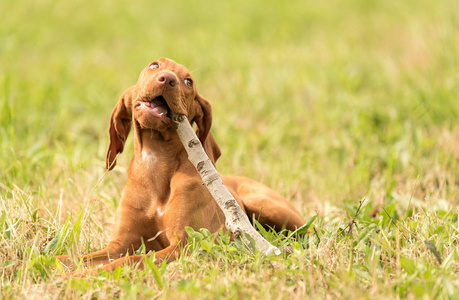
(332, 103)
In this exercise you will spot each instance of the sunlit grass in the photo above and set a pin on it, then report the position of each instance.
(330, 103)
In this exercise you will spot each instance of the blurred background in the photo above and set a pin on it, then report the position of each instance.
(324, 101)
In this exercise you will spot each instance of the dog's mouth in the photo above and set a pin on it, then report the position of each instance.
(157, 106)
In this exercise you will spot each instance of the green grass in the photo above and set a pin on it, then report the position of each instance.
(328, 102)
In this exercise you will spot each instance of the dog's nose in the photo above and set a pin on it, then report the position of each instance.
(166, 79)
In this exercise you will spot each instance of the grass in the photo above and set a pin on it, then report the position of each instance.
(329, 102)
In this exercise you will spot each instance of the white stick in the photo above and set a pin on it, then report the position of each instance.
(236, 220)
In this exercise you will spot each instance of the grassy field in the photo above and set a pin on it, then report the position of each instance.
(332, 103)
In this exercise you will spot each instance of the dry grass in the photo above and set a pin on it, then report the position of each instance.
(329, 103)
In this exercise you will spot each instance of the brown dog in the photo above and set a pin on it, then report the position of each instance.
(164, 193)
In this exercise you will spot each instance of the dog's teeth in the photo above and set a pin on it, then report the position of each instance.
(161, 114)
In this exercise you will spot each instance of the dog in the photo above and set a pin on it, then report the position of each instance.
(164, 192)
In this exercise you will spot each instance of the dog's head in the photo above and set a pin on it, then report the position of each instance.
(162, 87)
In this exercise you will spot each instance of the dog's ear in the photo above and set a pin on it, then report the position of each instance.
(203, 120)
(120, 126)
(211, 148)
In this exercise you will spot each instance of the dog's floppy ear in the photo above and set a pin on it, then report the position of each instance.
(203, 120)
(120, 125)
(211, 148)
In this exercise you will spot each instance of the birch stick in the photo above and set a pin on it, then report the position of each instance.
(236, 220)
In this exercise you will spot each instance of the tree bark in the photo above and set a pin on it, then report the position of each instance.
(236, 220)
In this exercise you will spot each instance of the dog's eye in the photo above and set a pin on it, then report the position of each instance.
(188, 82)
(154, 66)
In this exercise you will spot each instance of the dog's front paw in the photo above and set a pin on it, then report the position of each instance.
(83, 273)
(65, 260)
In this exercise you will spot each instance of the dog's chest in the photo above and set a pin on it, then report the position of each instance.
(156, 212)
(149, 157)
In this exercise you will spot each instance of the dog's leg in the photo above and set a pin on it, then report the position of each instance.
(112, 252)
(264, 204)
(168, 254)
(126, 238)
(272, 213)
(92, 259)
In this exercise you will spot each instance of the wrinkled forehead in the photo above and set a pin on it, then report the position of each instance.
(169, 64)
